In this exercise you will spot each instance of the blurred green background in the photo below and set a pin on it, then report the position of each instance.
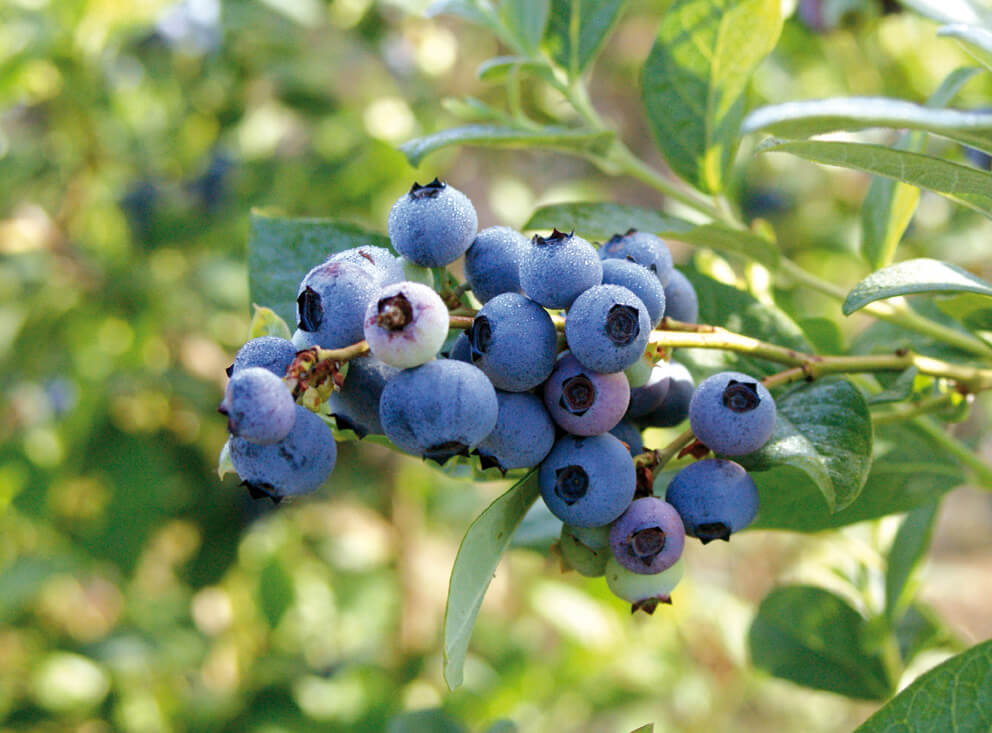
(139, 592)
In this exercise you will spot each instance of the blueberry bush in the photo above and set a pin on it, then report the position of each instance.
(653, 273)
(848, 414)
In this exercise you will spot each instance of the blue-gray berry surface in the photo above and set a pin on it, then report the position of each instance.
(643, 248)
(513, 340)
(681, 301)
(432, 225)
(630, 434)
(587, 481)
(585, 402)
(461, 349)
(258, 405)
(269, 352)
(331, 303)
(732, 413)
(556, 269)
(641, 282)
(646, 399)
(356, 405)
(298, 464)
(438, 410)
(379, 262)
(523, 435)
(492, 263)
(648, 537)
(607, 328)
(674, 409)
(715, 498)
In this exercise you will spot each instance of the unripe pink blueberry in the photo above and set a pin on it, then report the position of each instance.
(406, 324)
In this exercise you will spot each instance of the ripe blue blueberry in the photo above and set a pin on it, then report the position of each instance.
(675, 407)
(461, 349)
(645, 592)
(607, 328)
(585, 560)
(438, 410)
(298, 464)
(513, 341)
(492, 263)
(432, 225)
(555, 270)
(269, 352)
(259, 406)
(681, 301)
(732, 413)
(648, 537)
(585, 402)
(406, 324)
(356, 405)
(715, 498)
(643, 248)
(379, 262)
(331, 303)
(645, 400)
(523, 435)
(630, 434)
(641, 282)
(588, 481)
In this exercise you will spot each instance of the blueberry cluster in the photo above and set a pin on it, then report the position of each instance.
(554, 371)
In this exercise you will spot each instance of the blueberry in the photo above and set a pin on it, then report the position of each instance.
(331, 303)
(582, 401)
(648, 537)
(258, 405)
(681, 301)
(438, 410)
(596, 538)
(432, 225)
(406, 324)
(585, 560)
(461, 350)
(384, 267)
(644, 591)
(269, 352)
(643, 248)
(298, 464)
(555, 270)
(607, 328)
(492, 263)
(416, 273)
(523, 435)
(356, 405)
(645, 400)
(675, 407)
(715, 498)
(639, 372)
(588, 481)
(630, 434)
(513, 341)
(732, 413)
(641, 282)
(303, 339)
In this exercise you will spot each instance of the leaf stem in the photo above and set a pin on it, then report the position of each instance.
(981, 471)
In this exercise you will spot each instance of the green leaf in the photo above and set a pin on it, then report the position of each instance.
(498, 68)
(275, 592)
(908, 548)
(898, 391)
(694, 81)
(224, 463)
(812, 637)
(824, 430)
(953, 696)
(908, 470)
(919, 629)
(824, 334)
(469, 10)
(556, 138)
(600, 221)
(973, 311)
(946, 11)
(281, 250)
(921, 275)
(266, 322)
(478, 556)
(889, 205)
(577, 30)
(24, 578)
(960, 183)
(975, 40)
(526, 20)
(433, 720)
(816, 117)
(734, 309)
